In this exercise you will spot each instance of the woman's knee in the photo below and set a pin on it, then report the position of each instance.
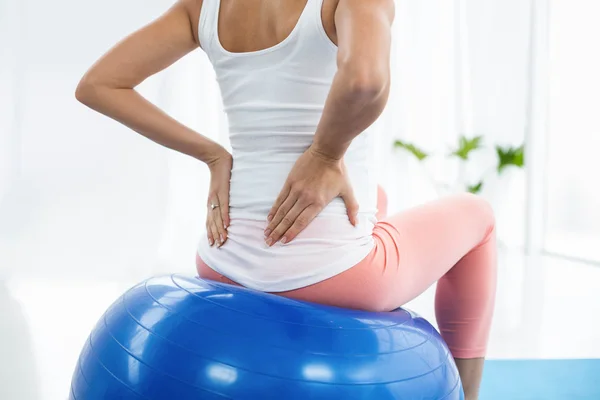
(481, 208)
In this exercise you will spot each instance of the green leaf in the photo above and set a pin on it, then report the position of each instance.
(411, 148)
(466, 146)
(510, 156)
(475, 188)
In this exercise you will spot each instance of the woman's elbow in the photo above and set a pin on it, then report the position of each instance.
(368, 81)
(90, 87)
(371, 86)
(85, 91)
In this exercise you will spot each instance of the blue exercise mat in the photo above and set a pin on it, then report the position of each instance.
(541, 380)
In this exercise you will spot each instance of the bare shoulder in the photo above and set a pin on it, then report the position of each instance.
(385, 8)
(193, 8)
(389, 6)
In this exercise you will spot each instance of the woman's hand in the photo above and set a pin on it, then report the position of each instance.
(313, 182)
(217, 216)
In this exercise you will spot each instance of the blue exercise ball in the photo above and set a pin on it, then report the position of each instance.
(184, 338)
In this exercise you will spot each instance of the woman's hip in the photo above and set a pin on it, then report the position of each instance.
(364, 286)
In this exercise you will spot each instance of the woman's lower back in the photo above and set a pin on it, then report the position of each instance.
(327, 247)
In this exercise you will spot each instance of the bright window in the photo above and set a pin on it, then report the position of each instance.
(573, 163)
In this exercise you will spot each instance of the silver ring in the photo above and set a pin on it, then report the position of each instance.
(213, 206)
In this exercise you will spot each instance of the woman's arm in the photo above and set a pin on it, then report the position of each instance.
(357, 97)
(361, 86)
(108, 87)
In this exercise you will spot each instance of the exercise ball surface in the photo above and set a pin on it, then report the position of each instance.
(183, 338)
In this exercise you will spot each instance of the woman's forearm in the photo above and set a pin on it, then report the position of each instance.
(133, 110)
(354, 103)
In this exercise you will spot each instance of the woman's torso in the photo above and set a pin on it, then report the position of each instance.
(273, 92)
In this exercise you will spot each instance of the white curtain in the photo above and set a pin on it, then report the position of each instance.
(573, 128)
(460, 68)
(81, 195)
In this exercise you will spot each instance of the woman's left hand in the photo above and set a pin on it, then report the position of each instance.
(217, 217)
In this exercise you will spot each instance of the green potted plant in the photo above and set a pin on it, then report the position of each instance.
(506, 156)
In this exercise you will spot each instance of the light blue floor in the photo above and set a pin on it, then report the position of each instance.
(541, 380)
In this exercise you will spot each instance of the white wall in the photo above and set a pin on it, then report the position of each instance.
(85, 194)
(9, 12)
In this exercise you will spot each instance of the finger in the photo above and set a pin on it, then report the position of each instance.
(351, 206)
(222, 237)
(301, 222)
(220, 226)
(210, 222)
(280, 213)
(209, 235)
(286, 222)
(224, 208)
(215, 232)
(279, 201)
(209, 229)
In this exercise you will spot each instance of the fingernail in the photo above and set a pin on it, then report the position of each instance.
(269, 241)
(222, 239)
(224, 226)
(284, 240)
(269, 217)
(267, 232)
(211, 242)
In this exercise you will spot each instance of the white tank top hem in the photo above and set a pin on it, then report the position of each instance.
(279, 280)
(274, 99)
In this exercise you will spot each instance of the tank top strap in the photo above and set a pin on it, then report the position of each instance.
(309, 19)
(207, 25)
(316, 7)
(314, 23)
(312, 12)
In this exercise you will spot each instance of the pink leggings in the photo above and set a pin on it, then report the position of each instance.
(451, 241)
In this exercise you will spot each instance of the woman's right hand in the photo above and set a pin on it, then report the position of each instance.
(312, 183)
(217, 216)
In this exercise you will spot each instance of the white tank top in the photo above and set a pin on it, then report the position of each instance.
(274, 99)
